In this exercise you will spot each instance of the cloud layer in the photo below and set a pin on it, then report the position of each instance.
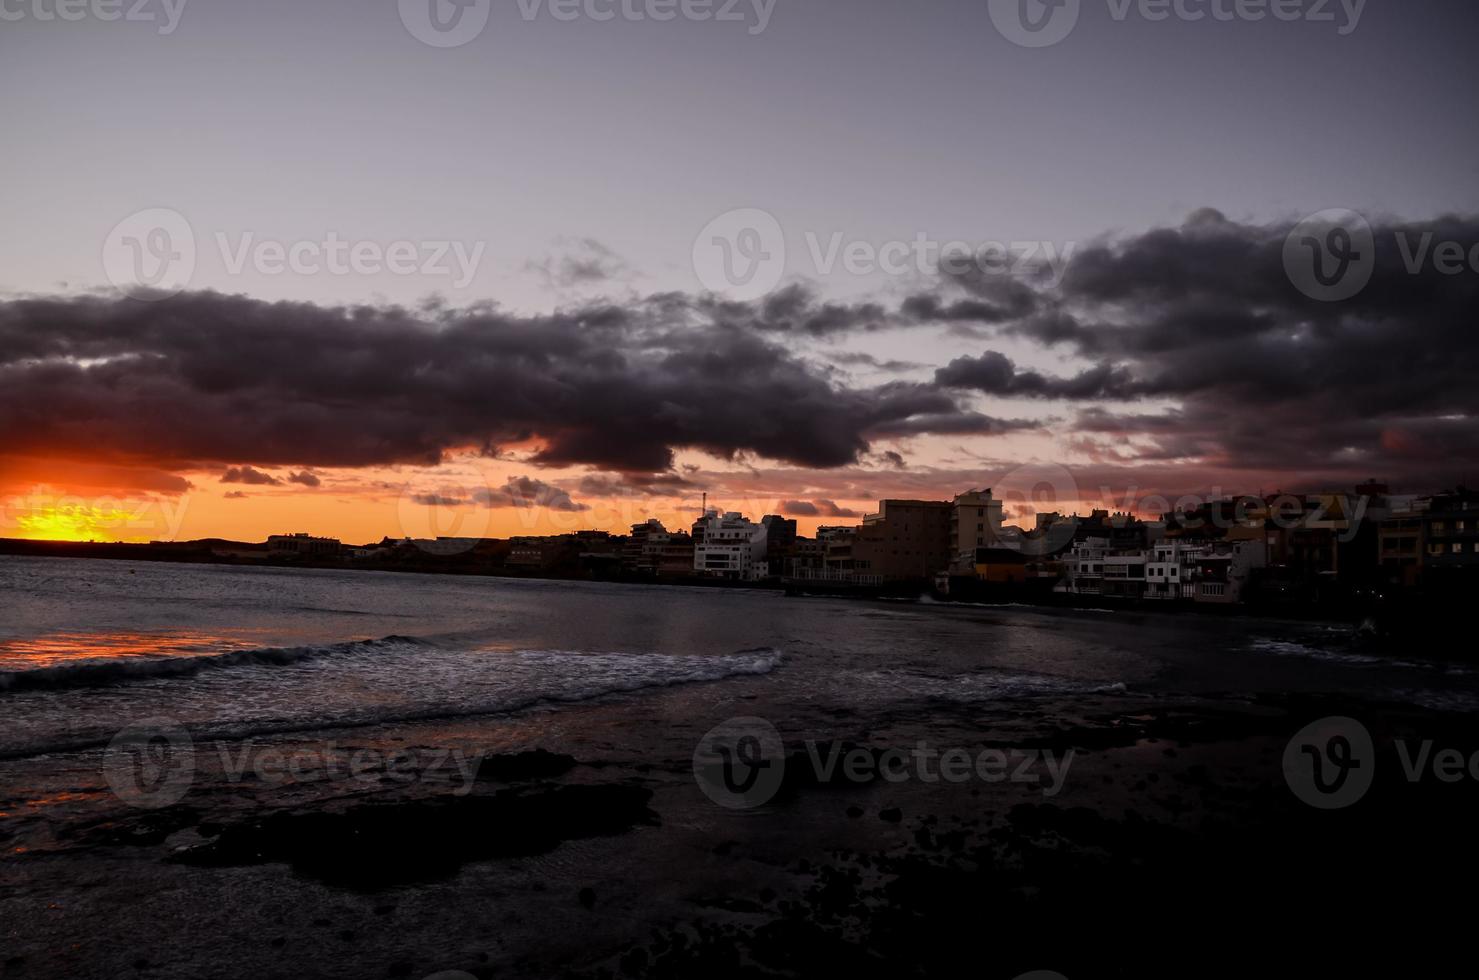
(1186, 348)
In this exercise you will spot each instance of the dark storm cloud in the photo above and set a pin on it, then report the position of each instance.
(438, 500)
(927, 307)
(1193, 346)
(795, 309)
(816, 508)
(861, 359)
(305, 478)
(250, 476)
(994, 374)
(636, 485)
(1205, 316)
(526, 493)
(203, 377)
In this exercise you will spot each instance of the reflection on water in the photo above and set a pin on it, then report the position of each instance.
(54, 649)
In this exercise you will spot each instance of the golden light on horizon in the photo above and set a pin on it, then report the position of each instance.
(76, 522)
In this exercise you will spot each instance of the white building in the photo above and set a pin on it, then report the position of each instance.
(1084, 565)
(1172, 569)
(730, 547)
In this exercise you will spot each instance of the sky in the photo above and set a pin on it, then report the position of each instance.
(542, 329)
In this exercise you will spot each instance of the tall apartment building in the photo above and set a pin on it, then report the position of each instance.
(730, 546)
(905, 540)
(652, 549)
(975, 522)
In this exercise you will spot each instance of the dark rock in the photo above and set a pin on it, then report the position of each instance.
(524, 766)
(379, 845)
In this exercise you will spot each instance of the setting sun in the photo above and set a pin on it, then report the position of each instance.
(77, 522)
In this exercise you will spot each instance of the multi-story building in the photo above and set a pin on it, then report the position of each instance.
(1124, 575)
(652, 549)
(780, 543)
(305, 545)
(732, 547)
(643, 548)
(1401, 543)
(1084, 566)
(837, 558)
(906, 540)
(975, 522)
(1170, 572)
(1223, 575)
(1451, 533)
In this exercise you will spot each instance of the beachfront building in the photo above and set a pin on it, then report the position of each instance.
(652, 549)
(1171, 570)
(302, 545)
(1223, 575)
(1124, 575)
(907, 540)
(1084, 566)
(975, 522)
(730, 546)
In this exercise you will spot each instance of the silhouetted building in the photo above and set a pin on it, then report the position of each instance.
(303, 545)
(905, 540)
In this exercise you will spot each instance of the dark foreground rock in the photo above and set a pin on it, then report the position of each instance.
(524, 766)
(377, 846)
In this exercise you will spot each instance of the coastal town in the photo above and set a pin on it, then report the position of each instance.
(1282, 549)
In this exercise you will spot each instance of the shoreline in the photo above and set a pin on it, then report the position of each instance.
(985, 597)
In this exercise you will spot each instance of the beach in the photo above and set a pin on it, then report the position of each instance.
(366, 774)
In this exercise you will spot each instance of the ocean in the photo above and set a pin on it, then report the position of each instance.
(88, 648)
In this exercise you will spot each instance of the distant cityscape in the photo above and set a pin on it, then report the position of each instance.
(1262, 549)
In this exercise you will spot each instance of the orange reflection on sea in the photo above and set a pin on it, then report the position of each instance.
(55, 649)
